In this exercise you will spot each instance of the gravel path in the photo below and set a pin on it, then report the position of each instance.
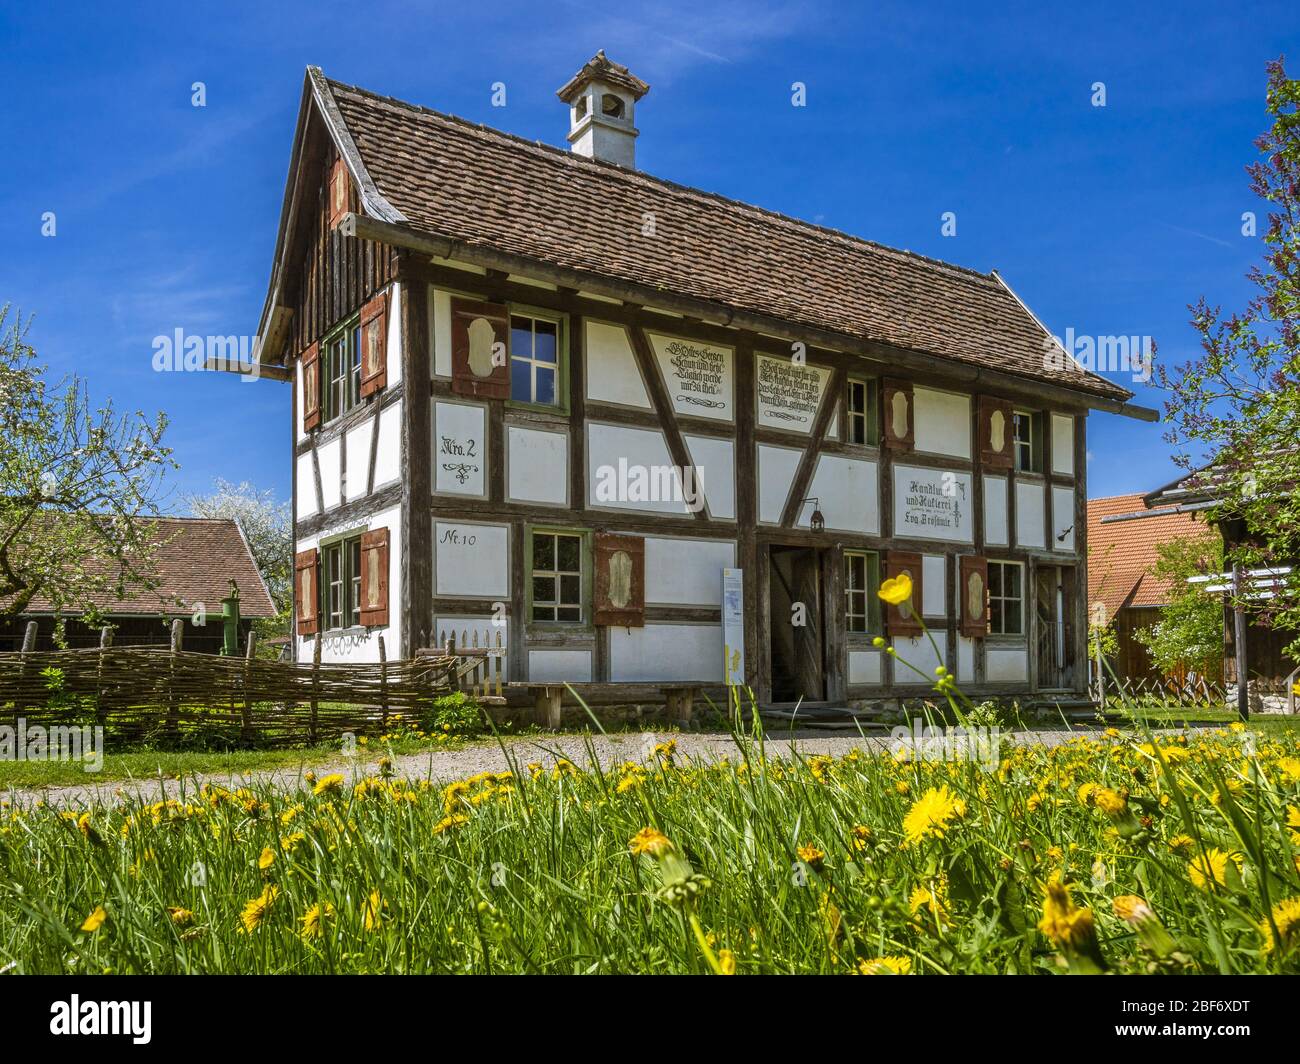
(443, 766)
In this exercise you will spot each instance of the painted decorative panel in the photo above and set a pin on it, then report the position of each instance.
(788, 393)
(933, 504)
(459, 449)
(698, 376)
(471, 559)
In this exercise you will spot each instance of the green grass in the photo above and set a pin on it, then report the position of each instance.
(1024, 863)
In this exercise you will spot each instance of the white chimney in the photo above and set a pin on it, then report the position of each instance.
(602, 99)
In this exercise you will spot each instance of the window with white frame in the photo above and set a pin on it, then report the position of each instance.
(343, 370)
(861, 582)
(860, 407)
(1006, 598)
(534, 360)
(1027, 435)
(341, 583)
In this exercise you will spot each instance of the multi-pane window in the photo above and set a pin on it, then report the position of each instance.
(1027, 431)
(861, 582)
(860, 407)
(341, 582)
(557, 576)
(1006, 598)
(534, 360)
(343, 371)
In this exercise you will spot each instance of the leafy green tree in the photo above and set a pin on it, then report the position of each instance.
(1188, 638)
(1238, 403)
(74, 478)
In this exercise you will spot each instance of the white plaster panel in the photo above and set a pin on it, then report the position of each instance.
(612, 373)
(357, 443)
(622, 460)
(686, 572)
(776, 470)
(965, 659)
(1029, 515)
(848, 492)
(471, 559)
(715, 470)
(918, 652)
(329, 456)
(934, 568)
(1063, 445)
(537, 467)
(1062, 518)
(388, 454)
(460, 449)
(995, 511)
(942, 421)
(561, 666)
(1006, 665)
(666, 652)
(698, 376)
(394, 350)
(864, 666)
(305, 496)
(933, 504)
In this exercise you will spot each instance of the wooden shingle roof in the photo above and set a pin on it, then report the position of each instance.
(448, 179)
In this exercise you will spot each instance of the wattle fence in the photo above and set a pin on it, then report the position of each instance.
(165, 695)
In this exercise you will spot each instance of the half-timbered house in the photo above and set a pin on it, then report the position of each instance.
(539, 392)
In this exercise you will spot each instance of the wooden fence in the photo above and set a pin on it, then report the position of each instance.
(479, 662)
(166, 695)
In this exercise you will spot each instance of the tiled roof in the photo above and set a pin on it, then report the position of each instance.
(1121, 555)
(194, 561)
(454, 180)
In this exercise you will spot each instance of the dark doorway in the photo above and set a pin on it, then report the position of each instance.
(796, 624)
(1054, 607)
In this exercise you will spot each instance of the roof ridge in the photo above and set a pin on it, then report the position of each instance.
(608, 169)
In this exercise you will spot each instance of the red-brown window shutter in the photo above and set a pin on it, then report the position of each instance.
(311, 388)
(619, 599)
(374, 578)
(340, 192)
(374, 345)
(995, 432)
(306, 594)
(904, 619)
(480, 349)
(898, 418)
(974, 595)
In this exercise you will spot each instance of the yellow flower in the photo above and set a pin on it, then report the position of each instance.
(1286, 915)
(896, 590)
(1064, 924)
(452, 820)
(811, 856)
(178, 915)
(1211, 867)
(651, 841)
(1182, 844)
(1131, 909)
(1293, 822)
(95, 920)
(331, 784)
(931, 814)
(1290, 768)
(267, 859)
(861, 836)
(1112, 803)
(932, 898)
(727, 961)
(313, 921)
(885, 966)
(372, 910)
(256, 910)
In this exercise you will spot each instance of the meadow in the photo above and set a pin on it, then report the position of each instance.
(1122, 852)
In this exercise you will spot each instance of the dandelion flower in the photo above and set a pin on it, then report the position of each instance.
(727, 962)
(1286, 915)
(1112, 803)
(313, 922)
(372, 910)
(95, 920)
(257, 909)
(811, 856)
(1182, 844)
(1064, 924)
(331, 784)
(651, 841)
(885, 966)
(932, 813)
(266, 859)
(179, 916)
(1210, 868)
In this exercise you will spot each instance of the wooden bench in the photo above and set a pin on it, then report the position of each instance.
(548, 697)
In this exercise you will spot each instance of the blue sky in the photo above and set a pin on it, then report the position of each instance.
(1107, 220)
